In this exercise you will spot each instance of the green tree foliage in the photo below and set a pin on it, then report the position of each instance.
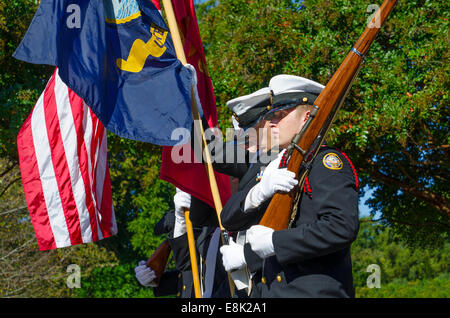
(113, 282)
(24, 270)
(404, 271)
(139, 197)
(20, 83)
(394, 124)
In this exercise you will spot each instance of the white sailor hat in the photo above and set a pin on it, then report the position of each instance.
(290, 90)
(249, 109)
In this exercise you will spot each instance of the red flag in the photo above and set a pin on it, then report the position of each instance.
(192, 177)
(65, 174)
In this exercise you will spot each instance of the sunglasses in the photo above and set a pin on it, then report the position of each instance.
(278, 114)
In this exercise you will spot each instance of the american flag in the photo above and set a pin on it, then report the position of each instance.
(65, 174)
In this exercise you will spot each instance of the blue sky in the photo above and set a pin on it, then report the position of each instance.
(363, 208)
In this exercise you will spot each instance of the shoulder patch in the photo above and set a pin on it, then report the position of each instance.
(332, 161)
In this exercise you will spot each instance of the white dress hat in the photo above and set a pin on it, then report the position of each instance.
(290, 90)
(249, 109)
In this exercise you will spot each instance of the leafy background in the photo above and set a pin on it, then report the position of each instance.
(393, 125)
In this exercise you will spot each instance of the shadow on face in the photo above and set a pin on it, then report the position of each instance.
(285, 124)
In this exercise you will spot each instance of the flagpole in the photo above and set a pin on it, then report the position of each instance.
(178, 45)
(193, 255)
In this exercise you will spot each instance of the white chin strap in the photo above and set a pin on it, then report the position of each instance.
(235, 124)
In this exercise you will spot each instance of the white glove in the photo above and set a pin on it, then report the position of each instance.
(191, 68)
(260, 239)
(145, 275)
(182, 201)
(232, 256)
(273, 180)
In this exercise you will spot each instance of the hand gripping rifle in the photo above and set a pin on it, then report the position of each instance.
(305, 145)
(158, 261)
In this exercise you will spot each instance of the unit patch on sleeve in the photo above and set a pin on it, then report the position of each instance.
(332, 161)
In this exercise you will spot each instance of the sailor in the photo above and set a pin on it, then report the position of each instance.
(179, 281)
(249, 150)
(312, 257)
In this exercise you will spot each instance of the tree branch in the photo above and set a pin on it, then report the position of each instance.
(14, 164)
(10, 184)
(14, 210)
(438, 202)
(422, 224)
(407, 223)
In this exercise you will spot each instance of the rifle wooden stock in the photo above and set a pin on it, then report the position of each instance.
(278, 213)
(158, 260)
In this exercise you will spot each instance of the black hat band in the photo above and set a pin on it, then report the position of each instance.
(294, 98)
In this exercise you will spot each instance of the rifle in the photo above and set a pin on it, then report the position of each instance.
(305, 145)
(158, 260)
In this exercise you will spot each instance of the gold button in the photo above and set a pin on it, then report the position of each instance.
(179, 275)
(178, 295)
(305, 99)
(279, 278)
(269, 107)
(184, 287)
(263, 280)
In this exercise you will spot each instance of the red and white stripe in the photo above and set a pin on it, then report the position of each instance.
(65, 175)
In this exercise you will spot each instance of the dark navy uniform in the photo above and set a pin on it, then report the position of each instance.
(179, 282)
(312, 259)
(233, 217)
(247, 172)
(248, 111)
(232, 158)
(204, 215)
(176, 282)
(220, 285)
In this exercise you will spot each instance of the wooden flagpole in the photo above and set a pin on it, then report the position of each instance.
(174, 31)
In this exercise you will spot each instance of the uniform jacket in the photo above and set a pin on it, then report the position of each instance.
(312, 259)
(233, 216)
(179, 282)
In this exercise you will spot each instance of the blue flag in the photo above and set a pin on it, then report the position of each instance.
(118, 56)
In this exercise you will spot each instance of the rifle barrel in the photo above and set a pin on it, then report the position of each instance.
(278, 213)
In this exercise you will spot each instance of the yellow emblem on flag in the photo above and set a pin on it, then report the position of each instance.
(140, 50)
(332, 161)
